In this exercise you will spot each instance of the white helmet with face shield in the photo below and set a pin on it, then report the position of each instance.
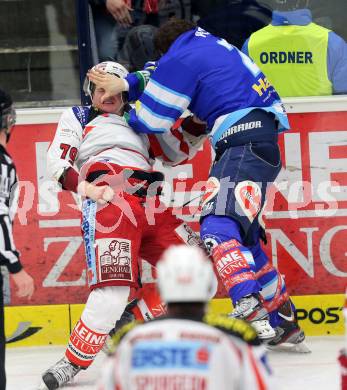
(109, 67)
(185, 274)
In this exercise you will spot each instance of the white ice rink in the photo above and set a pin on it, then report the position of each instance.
(315, 371)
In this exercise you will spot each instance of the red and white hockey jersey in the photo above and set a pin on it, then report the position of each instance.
(180, 354)
(109, 138)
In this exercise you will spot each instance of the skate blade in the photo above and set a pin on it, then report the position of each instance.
(287, 347)
(41, 386)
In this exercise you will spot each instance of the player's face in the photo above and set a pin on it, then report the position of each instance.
(112, 105)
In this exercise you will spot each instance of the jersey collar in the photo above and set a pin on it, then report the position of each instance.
(300, 17)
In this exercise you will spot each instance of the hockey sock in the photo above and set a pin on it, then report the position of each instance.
(149, 304)
(103, 308)
(84, 344)
(232, 261)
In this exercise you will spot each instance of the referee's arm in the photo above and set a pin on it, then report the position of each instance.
(10, 257)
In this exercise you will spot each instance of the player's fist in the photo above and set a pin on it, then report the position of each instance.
(108, 194)
(100, 194)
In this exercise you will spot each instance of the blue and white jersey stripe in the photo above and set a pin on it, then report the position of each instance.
(166, 96)
(154, 118)
(212, 79)
(157, 109)
(147, 122)
(224, 122)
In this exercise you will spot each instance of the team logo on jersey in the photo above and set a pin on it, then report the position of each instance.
(69, 133)
(210, 242)
(202, 355)
(187, 354)
(211, 190)
(114, 259)
(248, 196)
(262, 86)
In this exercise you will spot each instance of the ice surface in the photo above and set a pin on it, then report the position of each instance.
(315, 371)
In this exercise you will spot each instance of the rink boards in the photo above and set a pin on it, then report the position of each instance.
(305, 216)
(319, 315)
(306, 221)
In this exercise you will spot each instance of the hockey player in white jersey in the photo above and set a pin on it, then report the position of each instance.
(188, 350)
(75, 144)
(96, 154)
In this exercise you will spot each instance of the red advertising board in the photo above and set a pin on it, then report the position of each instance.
(306, 214)
(46, 227)
(307, 217)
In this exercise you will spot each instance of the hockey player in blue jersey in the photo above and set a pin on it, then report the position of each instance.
(242, 112)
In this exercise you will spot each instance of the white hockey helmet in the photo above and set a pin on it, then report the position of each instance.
(109, 67)
(185, 275)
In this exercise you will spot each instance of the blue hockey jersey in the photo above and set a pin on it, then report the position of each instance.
(211, 78)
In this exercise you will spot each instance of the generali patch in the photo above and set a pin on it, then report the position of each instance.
(114, 259)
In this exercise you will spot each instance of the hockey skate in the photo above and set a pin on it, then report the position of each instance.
(289, 337)
(249, 308)
(59, 374)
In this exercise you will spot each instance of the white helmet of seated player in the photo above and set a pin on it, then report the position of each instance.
(114, 104)
(185, 274)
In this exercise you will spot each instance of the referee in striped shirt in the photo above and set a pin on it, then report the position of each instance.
(9, 256)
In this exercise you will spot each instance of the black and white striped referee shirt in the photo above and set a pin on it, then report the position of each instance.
(9, 256)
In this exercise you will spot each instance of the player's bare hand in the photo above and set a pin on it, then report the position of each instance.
(100, 194)
(24, 283)
(111, 84)
(120, 10)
